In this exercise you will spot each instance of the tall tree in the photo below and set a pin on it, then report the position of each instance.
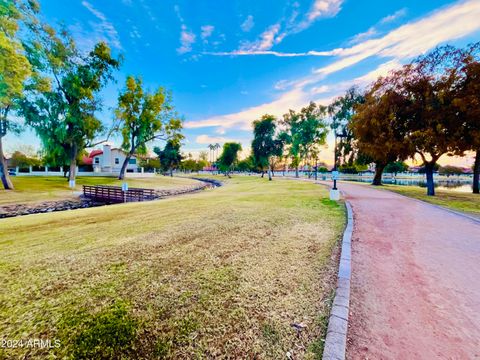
(468, 102)
(170, 157)
(304, 130)
(378, 128)
(264, 144)
(14, 69)
(429, 87)
(62, 102)
(145, 117)
(229, 157)
(341, 110)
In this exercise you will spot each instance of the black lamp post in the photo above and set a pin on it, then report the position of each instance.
(335, 159)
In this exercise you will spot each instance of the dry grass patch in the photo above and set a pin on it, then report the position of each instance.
(222, 273)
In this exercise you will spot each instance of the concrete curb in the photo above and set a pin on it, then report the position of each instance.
(336, 340)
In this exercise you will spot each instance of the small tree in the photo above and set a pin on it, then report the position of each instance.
(170, 157)
(304, 131)
(264, 144)
(395, 167)
(450, 170)
(229, 157)
(145, 117)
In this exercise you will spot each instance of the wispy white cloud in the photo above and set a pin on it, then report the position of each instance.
(364, 35)
(102, 30)
(320, 9)
(207, 139)
(134, 33)
(187, 37)
(395, 16)
(275, 33)
(248, 24)
(267, 39)
(206, 32)
(274, 53)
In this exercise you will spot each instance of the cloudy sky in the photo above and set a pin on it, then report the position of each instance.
(228, 62)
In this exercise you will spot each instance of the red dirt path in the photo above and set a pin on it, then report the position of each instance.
(415, 282)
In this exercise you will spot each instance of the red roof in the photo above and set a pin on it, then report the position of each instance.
(88, 160)
(95, 153)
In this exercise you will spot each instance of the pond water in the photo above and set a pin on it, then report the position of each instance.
(451, 185)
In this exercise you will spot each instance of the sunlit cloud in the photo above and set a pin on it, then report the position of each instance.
(207, 139)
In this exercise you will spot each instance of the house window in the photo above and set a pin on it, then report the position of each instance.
(132, 161)
(117, 161)
(97, 160)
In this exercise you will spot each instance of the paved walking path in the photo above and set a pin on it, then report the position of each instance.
(415, 282)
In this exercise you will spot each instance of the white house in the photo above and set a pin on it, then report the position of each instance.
(110, 160)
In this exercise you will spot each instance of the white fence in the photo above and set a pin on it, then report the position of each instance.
(47, 172)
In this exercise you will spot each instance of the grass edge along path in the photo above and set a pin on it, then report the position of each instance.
(224, 272)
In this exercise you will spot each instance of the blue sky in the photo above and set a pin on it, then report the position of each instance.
(229, 62)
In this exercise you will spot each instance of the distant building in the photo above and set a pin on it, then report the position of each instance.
(110, 160)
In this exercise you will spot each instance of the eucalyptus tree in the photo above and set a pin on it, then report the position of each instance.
(145, 116)
(15, 68)
(304, 130)
(62, 102)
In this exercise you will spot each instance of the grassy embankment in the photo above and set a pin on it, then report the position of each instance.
(33, 189)
(221, 272)
(464, 202)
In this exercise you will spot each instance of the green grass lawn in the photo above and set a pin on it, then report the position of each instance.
(464, 202)
(32, 189)
(224, 272)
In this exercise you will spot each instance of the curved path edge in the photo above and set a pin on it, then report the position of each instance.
(336, 340)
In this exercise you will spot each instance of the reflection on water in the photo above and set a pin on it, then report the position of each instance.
(452, 185)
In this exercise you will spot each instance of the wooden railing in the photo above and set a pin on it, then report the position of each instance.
(115, 194)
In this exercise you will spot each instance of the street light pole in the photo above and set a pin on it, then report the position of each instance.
(335, 162)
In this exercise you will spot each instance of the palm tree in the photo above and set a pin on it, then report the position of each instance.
(211, 147)
(217, 146)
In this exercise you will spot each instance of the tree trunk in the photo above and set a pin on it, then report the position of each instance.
(429, 173)
(171, 172)
(6, 181)
(296, 171)
(476, 173)
(377, 179)
(121, 176)
(263, 172)
(269, 173)
(73, 163)
(316, 170)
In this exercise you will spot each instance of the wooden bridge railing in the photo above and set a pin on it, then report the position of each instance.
(115, 194)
